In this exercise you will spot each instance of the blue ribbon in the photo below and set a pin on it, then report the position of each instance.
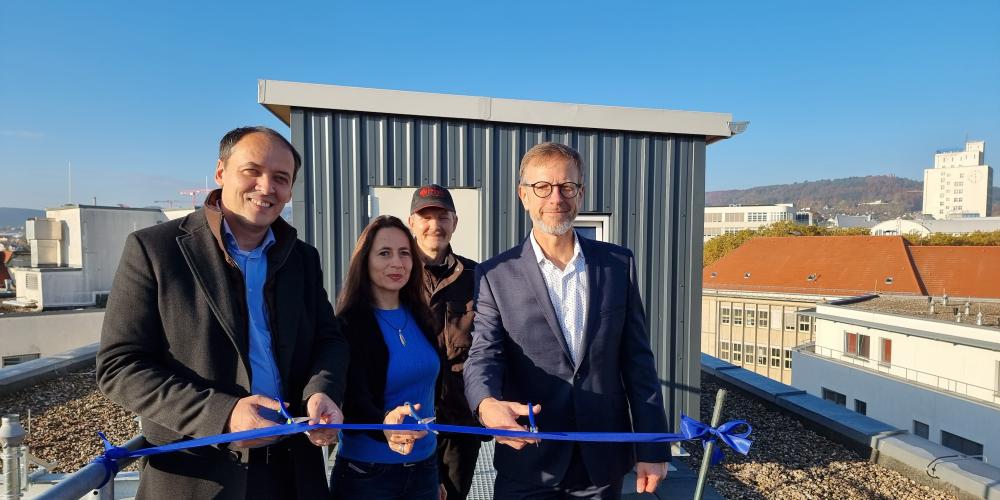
(691, 429)
(109, 459)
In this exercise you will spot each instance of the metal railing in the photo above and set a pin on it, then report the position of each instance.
(89, 478)
(979, 393)
(721, 289)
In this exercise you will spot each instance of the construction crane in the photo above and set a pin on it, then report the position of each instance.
(193, 193)
(170, 203)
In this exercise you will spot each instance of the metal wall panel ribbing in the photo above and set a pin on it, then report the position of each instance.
(651, 185)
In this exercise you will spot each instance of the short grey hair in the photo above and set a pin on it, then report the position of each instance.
(546, 150)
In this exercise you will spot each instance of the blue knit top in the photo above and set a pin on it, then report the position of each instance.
(411, 375)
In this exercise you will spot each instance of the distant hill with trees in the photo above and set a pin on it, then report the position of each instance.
(899, 196)
(16, 216)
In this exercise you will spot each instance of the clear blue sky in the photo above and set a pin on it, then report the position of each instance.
(136, 97)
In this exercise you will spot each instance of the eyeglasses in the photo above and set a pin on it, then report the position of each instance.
(543, 189)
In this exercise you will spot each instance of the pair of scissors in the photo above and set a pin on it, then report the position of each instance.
(416, 416)
(531, 419)
(288, 418)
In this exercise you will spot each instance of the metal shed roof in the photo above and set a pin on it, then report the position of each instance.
(280, 96)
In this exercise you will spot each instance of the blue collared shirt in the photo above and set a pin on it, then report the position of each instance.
(264, 377)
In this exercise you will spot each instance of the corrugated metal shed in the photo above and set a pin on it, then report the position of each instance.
(645, 168)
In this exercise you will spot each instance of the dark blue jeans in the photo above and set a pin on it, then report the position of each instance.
(372, 481)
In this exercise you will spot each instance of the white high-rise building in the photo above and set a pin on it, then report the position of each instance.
(960, 184)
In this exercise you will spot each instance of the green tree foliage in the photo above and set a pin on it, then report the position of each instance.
(978, 238)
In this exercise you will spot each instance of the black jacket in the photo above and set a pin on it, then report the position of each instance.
(175, 349)
(364, 399)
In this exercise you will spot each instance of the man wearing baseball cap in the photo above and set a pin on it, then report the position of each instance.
(449, 280)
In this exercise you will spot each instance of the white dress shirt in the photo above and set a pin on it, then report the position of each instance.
(568, 292)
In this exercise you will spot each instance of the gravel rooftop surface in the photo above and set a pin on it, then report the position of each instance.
(790, 461)
(795, 463)
(66, 414)
(917, 307)
(4, 308)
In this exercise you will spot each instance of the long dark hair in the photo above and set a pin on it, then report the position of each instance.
(357, 290)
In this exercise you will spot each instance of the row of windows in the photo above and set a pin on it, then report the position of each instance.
(841, 399)
(738, 316)
(859, 345)
(715, 231)
(953, 441)
(749, 353)
(746, 217)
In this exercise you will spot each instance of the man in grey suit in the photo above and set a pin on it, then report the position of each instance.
(215, 316)
(559, 322)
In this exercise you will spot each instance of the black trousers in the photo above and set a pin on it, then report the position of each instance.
(457, 457)
(270, 473)
(575, 484)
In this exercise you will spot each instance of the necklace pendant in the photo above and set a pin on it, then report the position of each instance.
(402, 339)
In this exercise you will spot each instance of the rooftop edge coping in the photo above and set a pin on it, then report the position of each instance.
(280, 96)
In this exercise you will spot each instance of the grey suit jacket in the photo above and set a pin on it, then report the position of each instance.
(175, 349)
(519, 354)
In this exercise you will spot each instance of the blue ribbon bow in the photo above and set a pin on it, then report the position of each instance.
(693, 429)
(109, 459)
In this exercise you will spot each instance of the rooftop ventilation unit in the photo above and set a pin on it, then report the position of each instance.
(43, 237)
(41, 228)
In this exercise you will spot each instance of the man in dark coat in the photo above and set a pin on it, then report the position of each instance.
(449, 282)
(559, 322)
(215, 316)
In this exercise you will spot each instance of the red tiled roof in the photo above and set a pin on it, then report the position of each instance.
(837, 265)
(960, 271)
(854, 265)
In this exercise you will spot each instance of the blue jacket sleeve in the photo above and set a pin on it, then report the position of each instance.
(484, 369)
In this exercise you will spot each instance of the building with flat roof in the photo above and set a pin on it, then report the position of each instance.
(927, 227)
(960, 184)
(736, 218)
(753, 298)
(847, 221)
(74, 253)
(932, 367)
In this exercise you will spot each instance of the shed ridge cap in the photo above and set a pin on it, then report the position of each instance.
(280, 96)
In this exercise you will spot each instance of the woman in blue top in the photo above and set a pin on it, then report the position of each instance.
(393, 364)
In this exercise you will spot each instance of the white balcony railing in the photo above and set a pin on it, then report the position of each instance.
(985, 394)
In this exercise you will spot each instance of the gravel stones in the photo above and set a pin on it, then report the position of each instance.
(66, 414)
(788, 461)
